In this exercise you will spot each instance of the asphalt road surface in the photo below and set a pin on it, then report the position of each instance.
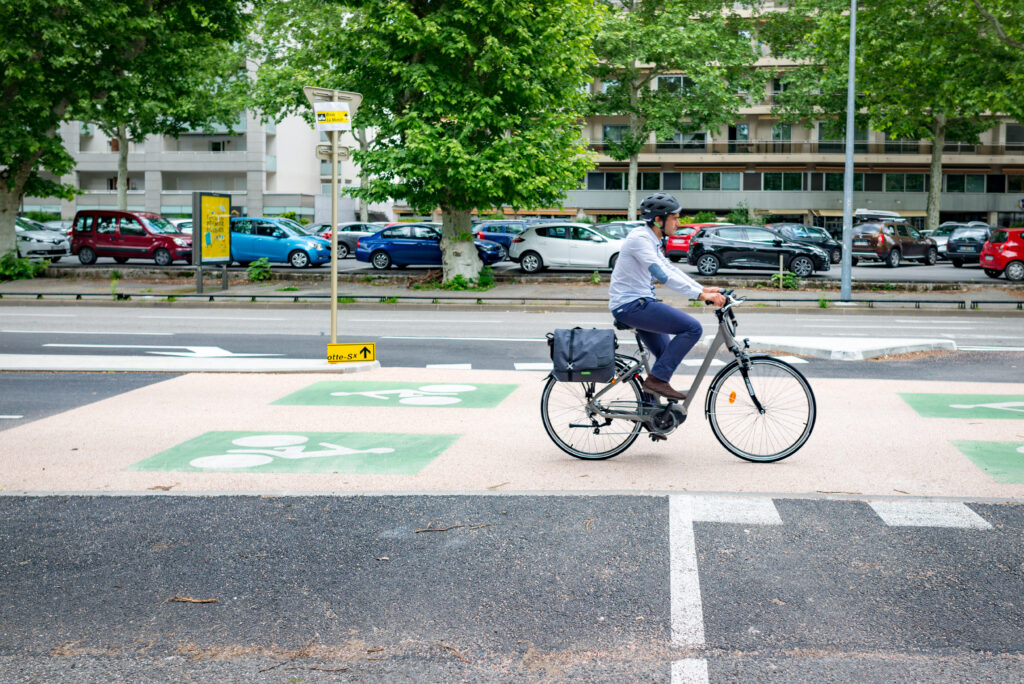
(508, 588)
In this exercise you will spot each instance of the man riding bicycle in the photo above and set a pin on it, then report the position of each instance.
(641, 263)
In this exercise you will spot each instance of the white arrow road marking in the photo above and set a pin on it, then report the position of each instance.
(192, 353)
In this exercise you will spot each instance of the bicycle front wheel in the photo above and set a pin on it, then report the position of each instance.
(580, 432)
(770, 420)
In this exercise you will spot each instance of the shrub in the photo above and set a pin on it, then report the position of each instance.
(13, 267)
(259, 270)
(703, 217)
(486, 278)
(595, 278)
(787, 281)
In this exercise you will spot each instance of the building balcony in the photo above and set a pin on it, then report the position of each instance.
(811, 150)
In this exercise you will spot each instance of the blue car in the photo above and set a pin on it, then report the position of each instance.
(277, 240)
(415, 244)
(502, 232)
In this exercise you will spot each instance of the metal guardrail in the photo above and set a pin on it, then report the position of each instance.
(973, 304)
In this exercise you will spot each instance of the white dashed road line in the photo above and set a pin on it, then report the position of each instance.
(928, 514)
(451, 366)
(11, 417)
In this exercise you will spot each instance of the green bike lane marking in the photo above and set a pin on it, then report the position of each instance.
(983, 406)
(434, 395)
(1002, 461)
(301, 452)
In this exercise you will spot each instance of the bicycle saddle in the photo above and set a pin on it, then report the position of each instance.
(622, 326)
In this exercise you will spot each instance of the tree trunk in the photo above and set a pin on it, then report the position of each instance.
(935, 175)
(10, 200)
(360, 136)
(122, 167)
(458, 256)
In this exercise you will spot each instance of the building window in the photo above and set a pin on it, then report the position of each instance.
(739, 138)
(716, 180)
(648, 181)
(782, 180)
(832, 138)
(613, 132)
(1014, 137)
(1015, 183)
(778, 87)
(695, 141)
(615, 181)
(670, 180)
(595, 181)
(691, 180)
(675, 84)
(965, 182)
(834, 182)
(609, 84)
(218, 145)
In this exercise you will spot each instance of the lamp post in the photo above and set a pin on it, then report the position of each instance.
(333, 110)
(848, 169)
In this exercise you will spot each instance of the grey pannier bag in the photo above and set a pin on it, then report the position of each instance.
(582, 355)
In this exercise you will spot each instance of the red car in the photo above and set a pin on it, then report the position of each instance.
(678, 246)
(1004, 253)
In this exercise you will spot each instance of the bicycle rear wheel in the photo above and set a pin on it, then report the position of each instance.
(775, 430)
(582, 433)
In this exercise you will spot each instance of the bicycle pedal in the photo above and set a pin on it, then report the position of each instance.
(655, 437)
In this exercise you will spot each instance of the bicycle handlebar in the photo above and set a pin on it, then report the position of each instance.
(730, 299)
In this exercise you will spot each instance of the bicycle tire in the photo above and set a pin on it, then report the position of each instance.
(563, 404)
(763, 437)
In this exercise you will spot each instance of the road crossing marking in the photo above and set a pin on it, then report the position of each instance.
(690, 671)
(533, 366)
(928, 514)
(729, 509)
(687, 609)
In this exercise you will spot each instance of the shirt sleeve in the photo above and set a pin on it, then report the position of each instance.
(662, 270)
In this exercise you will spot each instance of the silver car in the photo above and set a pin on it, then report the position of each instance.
(36, 241)
(577, 245)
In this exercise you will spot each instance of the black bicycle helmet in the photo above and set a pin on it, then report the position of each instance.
(658, 204)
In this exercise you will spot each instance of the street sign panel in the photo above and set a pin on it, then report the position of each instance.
(323, 153)
(332, 116)
(347, 352)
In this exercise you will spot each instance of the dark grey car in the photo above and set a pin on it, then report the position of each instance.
(810, 235)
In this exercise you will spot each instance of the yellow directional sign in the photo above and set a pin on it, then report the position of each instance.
(348, 352)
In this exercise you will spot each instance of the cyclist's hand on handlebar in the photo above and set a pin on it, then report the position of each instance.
(711, 289)
(712, 298)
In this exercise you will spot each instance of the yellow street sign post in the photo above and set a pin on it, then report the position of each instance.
(333, 111)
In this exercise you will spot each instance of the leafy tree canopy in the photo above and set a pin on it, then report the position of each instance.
(58, 58)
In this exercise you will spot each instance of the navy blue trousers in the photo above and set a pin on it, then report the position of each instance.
(655, 322)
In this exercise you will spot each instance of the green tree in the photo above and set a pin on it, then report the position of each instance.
(57, 59)
(192, 82)
(922, 72)
(473, 103)
(704, 49)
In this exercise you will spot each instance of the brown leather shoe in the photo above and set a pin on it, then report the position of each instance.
(656, 386)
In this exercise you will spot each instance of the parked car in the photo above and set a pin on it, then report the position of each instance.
(891, 242)
(501, 232)
(812, 235)
(965, 243)
(184, 225)
(34, 240)
(677, 246)
(126, 235)
(415, 244)
(278, 241)
(719, 247)
(563, 244)
(1004, 253)
(941, 235)
(348, 234)
(61, 226)
(619, 229)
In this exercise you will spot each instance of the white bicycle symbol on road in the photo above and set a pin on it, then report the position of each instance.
(427, 395)
(260, 450)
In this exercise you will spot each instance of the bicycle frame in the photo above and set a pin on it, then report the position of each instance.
(726, 336)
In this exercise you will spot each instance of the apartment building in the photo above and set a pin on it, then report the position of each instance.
(789, 172)
(266, 168)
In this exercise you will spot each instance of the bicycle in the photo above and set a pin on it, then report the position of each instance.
(760, 408)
